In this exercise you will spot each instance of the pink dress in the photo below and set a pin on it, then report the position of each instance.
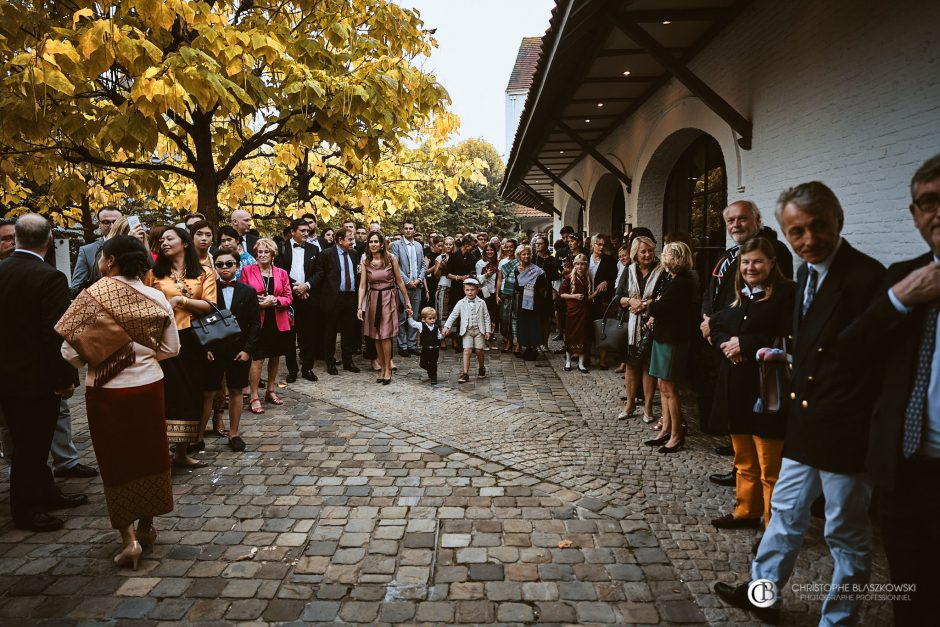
(380, 320)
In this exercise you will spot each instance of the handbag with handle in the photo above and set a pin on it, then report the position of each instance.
(215, 327)
(610, 333)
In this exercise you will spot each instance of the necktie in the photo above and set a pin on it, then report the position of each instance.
(229, 283)
(914, 416)
(346, 271)
(810, 289)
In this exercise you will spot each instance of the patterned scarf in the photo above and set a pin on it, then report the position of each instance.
(105, 320)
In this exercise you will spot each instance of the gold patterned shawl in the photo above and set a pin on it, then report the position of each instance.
(105, 320)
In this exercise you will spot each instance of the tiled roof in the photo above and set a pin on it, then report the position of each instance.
(529, 51)
(521, 211)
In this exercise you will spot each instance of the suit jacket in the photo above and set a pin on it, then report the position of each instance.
(326, 277)
(284, 260)
(86, 267)
(34, 297)
(251, 276)
(251, 240)
(247, 313)
(894, 340)
(674, 311)
(400, 250)
(834, 381)
(462, 310)
(606, 271)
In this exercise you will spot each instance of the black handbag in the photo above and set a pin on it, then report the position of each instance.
(638, 354)
(610, 333)
(215, 327)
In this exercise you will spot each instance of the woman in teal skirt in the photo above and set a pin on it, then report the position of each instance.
(674, 317)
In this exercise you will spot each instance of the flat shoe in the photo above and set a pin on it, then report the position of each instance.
(728, 521)
(648, 419)
(583, 370)
(191, 463)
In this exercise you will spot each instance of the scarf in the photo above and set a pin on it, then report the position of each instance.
(526, 280)
(633, 291)
(104, 321)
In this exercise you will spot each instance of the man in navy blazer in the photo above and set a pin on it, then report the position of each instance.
(335, 285)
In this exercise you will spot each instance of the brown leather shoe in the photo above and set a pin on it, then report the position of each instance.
(728, 521)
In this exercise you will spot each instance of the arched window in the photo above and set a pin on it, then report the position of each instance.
(696, 194)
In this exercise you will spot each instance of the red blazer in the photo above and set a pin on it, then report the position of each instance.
(251, 275)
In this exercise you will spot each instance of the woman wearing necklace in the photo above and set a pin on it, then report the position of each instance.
(378, 306)
(274, 299)
(189, 288)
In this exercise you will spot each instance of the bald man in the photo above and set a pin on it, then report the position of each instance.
(241, 222)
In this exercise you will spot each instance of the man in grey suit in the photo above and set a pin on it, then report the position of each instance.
(410, 255)
(86, 265)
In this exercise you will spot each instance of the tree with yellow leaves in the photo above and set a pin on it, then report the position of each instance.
(186, 93)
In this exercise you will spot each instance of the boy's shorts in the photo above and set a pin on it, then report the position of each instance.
(474, 339)
(224, 365)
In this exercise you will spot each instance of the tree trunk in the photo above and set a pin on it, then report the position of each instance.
(208, 199)
(88, 224)
(207, 179)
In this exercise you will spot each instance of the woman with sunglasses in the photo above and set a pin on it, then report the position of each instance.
(274, 298)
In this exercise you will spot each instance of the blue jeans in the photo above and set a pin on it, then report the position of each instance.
(408, 337)
(847, 532)
(64, 453)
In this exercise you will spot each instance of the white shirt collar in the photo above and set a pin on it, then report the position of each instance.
(30, 252)
(823, 266)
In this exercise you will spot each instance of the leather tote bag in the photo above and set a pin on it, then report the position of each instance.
(610, 333)
(215, 327)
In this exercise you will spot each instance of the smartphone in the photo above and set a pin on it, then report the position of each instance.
(133, 222)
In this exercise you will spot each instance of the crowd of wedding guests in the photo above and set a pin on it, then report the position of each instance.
(789, 370)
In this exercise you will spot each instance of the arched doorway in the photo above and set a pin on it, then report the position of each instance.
(696, 194)
(608, 207)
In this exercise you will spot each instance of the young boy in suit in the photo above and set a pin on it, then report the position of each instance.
(231, 361)
(474, 325)
(429, 337)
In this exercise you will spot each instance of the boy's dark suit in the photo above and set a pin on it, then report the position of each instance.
(429, 338)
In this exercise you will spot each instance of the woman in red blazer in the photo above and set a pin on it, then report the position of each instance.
(274, 299)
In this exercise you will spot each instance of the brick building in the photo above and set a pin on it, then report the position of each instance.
(657, 113)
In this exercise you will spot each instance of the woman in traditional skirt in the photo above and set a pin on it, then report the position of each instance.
(442, 296)
(576, 290)
(505, 294)
(121, 329)
(189, 287)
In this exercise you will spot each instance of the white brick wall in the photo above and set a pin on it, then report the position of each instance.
(846, 92)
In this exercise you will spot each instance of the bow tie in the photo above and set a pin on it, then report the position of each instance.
(296, 245)
(228, 283)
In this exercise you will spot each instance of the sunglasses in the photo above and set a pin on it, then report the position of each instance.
(225, 264)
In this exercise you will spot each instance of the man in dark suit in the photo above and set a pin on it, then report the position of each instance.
(358, 245)
(834, 383)
(904, 445)
(299, 260)
(742, 222)
(86, 263)
(241, 222)
(232, 359)
(335, 283)
(34, 377)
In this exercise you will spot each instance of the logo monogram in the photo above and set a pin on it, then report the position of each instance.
(762, 592)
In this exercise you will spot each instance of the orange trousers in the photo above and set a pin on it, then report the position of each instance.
(757, 461)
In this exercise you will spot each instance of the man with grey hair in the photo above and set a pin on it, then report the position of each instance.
(33, 375)
(834, 382)
(241, 222)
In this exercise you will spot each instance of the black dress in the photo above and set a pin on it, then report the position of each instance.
(273, 342)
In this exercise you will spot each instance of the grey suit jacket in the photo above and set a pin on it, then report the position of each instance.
(86, 267)
(400, 250)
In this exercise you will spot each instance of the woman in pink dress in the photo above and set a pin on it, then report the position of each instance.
(378, 302)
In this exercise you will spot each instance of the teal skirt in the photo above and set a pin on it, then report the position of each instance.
(668, 361)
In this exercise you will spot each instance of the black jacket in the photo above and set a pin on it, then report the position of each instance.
(756, 324)
(835, 380)
(326, 277)
(674, 311)
(893, 340)
(606, 271)
(34, 297)
(247, 313)
(285, 259)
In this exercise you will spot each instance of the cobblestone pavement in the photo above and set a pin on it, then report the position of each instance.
(516, 498)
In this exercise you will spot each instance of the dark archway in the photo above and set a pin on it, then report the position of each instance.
(608, 207)
(695, 196)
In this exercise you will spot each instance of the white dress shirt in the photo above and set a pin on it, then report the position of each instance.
(297, 263)
(227, 293)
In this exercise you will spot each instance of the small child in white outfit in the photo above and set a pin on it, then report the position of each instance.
(474, 322)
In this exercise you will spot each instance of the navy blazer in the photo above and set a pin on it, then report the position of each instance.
(326, 277)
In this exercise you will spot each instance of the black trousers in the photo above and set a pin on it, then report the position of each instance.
(341, 319)
(909, 516)
(304, 336)
(31, 421)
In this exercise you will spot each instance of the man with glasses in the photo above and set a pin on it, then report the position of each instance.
(86, 265)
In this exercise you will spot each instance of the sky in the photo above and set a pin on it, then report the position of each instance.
(477, 45)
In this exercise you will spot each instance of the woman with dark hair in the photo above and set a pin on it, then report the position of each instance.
(153, 240)
(552, 269)
(229, 240)
(203, 237)
(486, 270)
(132, 329)
(505, 294)
(328, 235)
(378, 302)
(761, 313)
(190, 288)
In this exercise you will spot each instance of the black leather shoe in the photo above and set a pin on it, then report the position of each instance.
(291, 377)
(350, 368)
(728, 521)
(331, 368)
(65, 501)
(40, 522)
(737, 597)
(726, 479)
(658, 441)
(196, 447)
(403, 352)
(237, 444)
(77, 471)
(309, 376)
(727, 451)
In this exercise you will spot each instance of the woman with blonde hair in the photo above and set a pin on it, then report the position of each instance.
(674, 321)
(576, 291)
(122, 226)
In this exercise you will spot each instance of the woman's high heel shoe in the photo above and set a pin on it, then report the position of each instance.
(658, 441)
(129, 555)
(673, 449)
(147, 536)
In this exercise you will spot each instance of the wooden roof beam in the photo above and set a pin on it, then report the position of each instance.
(591, 150)
(544, 202)
(561, 183)
(676, 15)
(741, 125)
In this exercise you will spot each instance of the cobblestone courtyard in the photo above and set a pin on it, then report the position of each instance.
(513, 499)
